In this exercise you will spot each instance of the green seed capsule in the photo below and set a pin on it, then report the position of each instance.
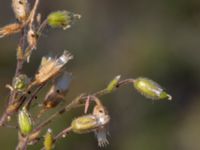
(24, 121)
(150, 89)
(89, 123)
(62, 19)
(112, 85)
(84, 124)
(21, 82)
(21, 9)
(48, 140)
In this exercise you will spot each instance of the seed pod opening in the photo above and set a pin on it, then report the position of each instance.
(24, 122)
(150, 89)
(51, 66)
(101, 135)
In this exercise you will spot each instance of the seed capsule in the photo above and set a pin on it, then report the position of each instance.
(21, 82)
(32, 38)
(57, 91)
(62, 19)
(21, 9)
(84, 124)
(99, 110)
(50, 67)
(10, 29)
(150, 89)
(96, 122)
(88, 123)
(48, 140)
(112, 85)
(25, 122)
(52, 99)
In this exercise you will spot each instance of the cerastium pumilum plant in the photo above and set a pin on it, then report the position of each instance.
(24, 89)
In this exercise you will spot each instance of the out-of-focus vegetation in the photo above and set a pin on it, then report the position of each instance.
(159, 39)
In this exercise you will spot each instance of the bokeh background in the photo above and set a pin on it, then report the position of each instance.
(159, 39)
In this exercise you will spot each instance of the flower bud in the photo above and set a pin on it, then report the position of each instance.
(150, 89)
(112, 85)
(62, 19)
(21, 9)
(48, 140)
(24, 122)
(21, 82)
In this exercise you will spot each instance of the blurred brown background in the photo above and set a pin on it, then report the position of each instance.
(159, 39)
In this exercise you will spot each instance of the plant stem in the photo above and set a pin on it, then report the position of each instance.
(77, 101)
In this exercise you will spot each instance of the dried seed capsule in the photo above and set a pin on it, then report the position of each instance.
(112, 85)
(10, 29)
(32, 39)
(50, 67)
(57, 91)
(24, 122)
(150, 89)
(52, 99)
(62, 19)
(21, 9)
(48, 140)
(21, 82)
(99, 110)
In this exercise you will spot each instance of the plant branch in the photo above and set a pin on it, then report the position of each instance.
(77, 101)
